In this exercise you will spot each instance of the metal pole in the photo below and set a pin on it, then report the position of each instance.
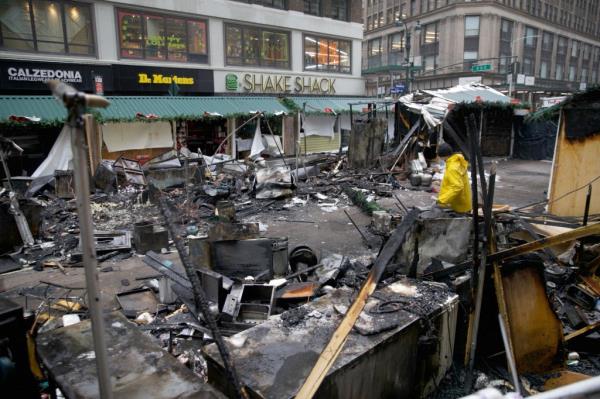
(407, 60)
(510, 357)
(76, 103)
(82, 195)
(358, 229)
(472, 330)
(588, 200)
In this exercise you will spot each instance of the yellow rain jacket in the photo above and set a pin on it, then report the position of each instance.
(455, 191)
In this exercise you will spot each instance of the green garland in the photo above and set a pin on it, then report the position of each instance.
(359, 199)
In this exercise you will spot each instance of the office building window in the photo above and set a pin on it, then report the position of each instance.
(531, 36)
(471, 45)
(470, 55)
(251, 45)
(429, 63)
(47, 26)
(396, 48)
(312, 7)
(528, 66)
(586, 52)
(506, 28)
(338, 9)
(324, 54)
(281, 4)
(544, 70)
(471, 25)
(156, 37)
(396, 42)
(575, 49)
(584, 75)
(572, 72)
(561, 48)
(430, 33)
(374, 52)
(560, 72)
(547, 42)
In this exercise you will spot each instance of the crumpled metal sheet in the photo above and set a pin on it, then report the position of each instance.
(446, 239)
(274, 183)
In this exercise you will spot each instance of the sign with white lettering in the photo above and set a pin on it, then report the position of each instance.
(272, 83)
(144, 79)
(287, 84)
(18, 75)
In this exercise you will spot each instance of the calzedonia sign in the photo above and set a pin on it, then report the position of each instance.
(43, 74)
(267, 83)
(20, 75)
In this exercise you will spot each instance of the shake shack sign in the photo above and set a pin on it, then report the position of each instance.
(34, 75)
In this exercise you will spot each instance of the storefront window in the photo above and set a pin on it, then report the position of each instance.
(132, 35)
(325, 54)
(46, 26)
(249, 45)
(80, 38)
(154, 37)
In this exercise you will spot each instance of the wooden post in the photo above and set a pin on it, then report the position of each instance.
(94, 147)
(231, 143)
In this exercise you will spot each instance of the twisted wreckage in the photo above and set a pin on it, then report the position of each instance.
(422, 302)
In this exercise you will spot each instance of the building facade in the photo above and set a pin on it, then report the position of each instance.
(530, 48)
(132, 47)
(143, 51)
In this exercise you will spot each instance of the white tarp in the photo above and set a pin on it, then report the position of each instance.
(60, 156)
(137, 135)
(273, 144)
(257, 142)
(319, 125)
(345, 122)
(390, 126)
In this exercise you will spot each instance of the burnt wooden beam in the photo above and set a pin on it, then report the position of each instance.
(336, 343)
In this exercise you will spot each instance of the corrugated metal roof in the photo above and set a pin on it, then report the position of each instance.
(125, 108)
(469, 93)
(315, 105)
(47, 108)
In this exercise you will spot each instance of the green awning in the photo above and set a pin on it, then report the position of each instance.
(125, 108)
(318, 105)
(46, 108)
(130, 108)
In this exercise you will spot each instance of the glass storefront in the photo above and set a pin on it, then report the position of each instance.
(47, 26)
(162, 38)
(324, 54)
(255, 46)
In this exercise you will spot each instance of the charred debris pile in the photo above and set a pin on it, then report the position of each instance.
(504, 299)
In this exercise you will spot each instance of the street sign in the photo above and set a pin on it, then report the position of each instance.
(481, 68)
(397, 89)
(529, 80)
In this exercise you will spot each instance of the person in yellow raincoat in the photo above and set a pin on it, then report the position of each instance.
(455, 192)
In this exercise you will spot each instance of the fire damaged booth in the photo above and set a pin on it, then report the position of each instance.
(575, 180)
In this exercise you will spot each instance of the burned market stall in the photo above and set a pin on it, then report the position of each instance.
(575, 182)
(535, 133)
(227, 269)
